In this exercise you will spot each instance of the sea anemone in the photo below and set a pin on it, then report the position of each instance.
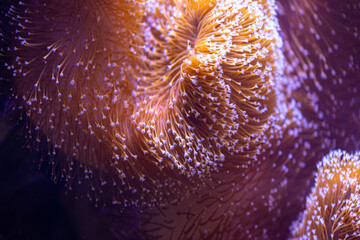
(316, 106)
(158, 104)
(321, 44)
(208, 116)
(332, 208)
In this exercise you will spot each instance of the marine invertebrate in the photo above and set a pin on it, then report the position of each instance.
(259, 203)
(244, 204)
(57, 62)
(157, 104)
(332, 208)
(196, 96)
(321, 42)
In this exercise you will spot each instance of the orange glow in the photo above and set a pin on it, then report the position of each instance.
(146, 95)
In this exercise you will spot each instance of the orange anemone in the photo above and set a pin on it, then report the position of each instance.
(144, 99)
(332, 209)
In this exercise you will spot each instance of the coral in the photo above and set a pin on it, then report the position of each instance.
(159, 104)
(316, 107)
(321, 42)
(244, 204)
(208, 117)
(332, 208)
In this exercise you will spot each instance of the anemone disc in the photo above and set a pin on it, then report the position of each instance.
(144, 99)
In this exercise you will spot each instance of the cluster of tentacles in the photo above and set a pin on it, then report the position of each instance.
(333, 209)
(206, 116)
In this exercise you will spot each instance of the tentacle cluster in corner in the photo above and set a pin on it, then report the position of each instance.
(332, 208)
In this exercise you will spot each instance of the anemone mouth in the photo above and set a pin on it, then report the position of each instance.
(148, 106)
(207, 86)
